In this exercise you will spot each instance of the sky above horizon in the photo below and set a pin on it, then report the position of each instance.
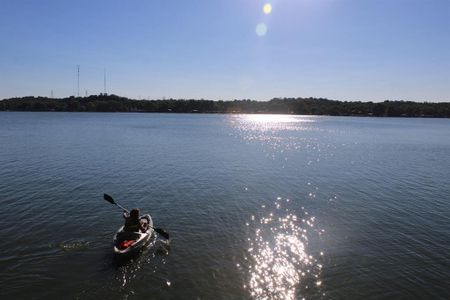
(354, 50)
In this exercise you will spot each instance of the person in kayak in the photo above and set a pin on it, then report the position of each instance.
(133, 221)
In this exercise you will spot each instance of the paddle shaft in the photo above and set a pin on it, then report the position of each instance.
(123, 208)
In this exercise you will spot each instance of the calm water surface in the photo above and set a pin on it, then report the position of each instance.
(257, 206)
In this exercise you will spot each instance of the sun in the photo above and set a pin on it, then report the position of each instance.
(267, 8)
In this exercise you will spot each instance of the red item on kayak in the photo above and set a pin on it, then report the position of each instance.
(125, 244)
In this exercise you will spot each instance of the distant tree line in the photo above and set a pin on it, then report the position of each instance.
(299, 106)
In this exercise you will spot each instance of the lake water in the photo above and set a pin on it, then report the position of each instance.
(257, 206)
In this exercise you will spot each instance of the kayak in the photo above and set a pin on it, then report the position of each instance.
(127, 242)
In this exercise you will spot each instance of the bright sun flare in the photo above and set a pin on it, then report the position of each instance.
(267, 9)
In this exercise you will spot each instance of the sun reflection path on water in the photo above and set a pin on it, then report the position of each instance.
(272, 129)
(278, 263)
(270, 122)
(282, 134)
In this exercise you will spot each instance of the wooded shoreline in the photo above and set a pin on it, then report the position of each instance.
(296, 106)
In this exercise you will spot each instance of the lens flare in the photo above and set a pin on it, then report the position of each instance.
(261, 29)
(267, 8)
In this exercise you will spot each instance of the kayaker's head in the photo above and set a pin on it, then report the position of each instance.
(134, 213)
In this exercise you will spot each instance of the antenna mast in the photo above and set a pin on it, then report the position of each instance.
(78, 89)
(104, 81)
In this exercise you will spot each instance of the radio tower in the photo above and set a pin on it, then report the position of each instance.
(104, 81)
(78, 86)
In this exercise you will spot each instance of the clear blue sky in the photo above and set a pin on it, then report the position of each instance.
(368, 50)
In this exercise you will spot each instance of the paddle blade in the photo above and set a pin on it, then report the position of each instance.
(162, 232)
(109, 198)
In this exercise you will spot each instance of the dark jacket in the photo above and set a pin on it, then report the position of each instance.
(131, 224)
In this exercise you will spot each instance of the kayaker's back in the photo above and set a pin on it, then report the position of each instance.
(132, 224)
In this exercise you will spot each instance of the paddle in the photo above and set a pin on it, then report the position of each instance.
(110, 199)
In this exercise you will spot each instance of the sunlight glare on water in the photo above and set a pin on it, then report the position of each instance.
(273, 122)
(279, 265)
(268, 118)
(274, 132)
